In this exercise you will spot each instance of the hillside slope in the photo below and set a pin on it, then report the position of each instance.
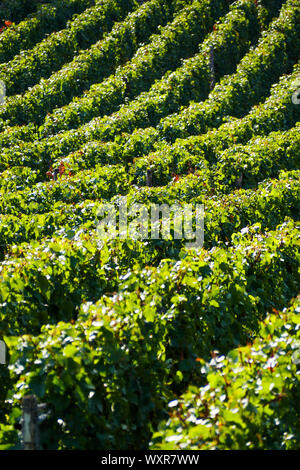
(143, 341)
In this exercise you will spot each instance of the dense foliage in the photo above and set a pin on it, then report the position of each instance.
(149, 343)
(251, 400)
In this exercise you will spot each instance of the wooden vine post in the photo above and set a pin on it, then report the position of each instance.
(30, 433)
(149, 177)
(212, 68)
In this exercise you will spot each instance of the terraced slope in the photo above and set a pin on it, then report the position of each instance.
(146, 342)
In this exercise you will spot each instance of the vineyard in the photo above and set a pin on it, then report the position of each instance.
(144, 343)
